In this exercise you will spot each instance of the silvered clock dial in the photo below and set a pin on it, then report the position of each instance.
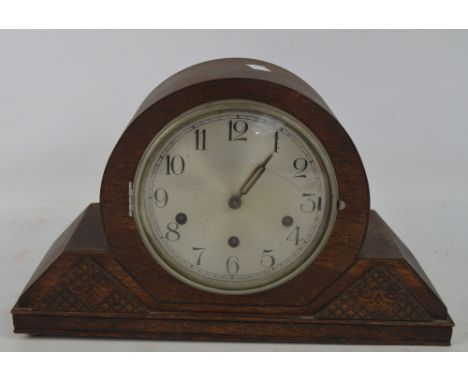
(235, 197)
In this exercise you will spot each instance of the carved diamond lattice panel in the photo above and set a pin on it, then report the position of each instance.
(378, 296)
(88, 288)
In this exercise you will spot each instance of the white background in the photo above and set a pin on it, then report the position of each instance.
(66, 97)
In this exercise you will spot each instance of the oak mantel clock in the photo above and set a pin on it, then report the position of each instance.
(234, 207)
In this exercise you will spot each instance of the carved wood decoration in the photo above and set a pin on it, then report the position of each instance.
(88, 288)
(378, 296)
(99, 280)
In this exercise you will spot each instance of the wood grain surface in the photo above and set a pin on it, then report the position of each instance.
(234, 79)
(98, 278)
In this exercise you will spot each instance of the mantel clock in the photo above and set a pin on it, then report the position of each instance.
(234, 207)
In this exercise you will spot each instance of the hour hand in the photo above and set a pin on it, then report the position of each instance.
(254, 176)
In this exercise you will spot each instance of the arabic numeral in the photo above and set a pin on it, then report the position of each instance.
(161, 197)
(311, 205)
(294, 236)
(300, 164)
(232, 265)
(202, 250)
(172, 234)
(276, 147)
(200, 139)
(174, 165)
(237, 129)
(267, 260)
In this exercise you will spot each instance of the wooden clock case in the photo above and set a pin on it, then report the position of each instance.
(98, 278)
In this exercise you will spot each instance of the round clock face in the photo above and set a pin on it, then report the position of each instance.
(235, 197)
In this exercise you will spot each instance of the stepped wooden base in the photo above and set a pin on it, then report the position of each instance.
(80, 290)
(241, 329)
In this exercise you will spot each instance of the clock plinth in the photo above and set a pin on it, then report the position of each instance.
(80, 289)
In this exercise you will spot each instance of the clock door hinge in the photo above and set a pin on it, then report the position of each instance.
(130, 199)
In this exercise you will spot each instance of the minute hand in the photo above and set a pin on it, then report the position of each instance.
(254, 176)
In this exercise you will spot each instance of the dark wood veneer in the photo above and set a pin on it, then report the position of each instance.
(381, 299)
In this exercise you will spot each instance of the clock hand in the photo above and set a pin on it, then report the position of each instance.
(235, 201)
(254, 176)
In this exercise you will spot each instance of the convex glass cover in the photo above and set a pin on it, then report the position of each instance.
(235, 197)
